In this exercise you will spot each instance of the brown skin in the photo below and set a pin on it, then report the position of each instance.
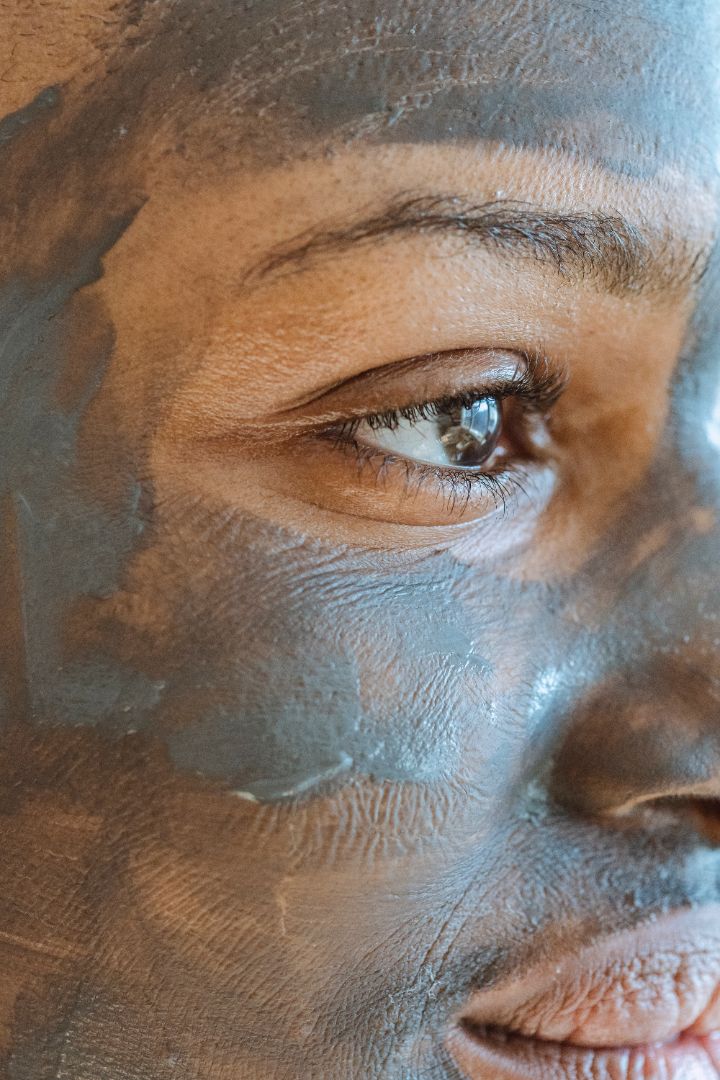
(294, 756)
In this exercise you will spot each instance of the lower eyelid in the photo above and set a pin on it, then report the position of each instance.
(450, 483)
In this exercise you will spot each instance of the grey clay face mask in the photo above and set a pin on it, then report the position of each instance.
(231, 722)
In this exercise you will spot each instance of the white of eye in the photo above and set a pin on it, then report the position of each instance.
(461, 437)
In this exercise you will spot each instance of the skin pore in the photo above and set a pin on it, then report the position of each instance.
(300, 747)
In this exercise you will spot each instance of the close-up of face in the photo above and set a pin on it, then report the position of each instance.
(359, 495)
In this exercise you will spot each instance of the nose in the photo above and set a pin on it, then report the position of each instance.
(640, 739)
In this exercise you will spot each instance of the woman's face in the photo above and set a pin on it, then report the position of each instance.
(360, 430)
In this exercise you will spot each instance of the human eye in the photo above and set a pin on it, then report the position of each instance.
(433, 440)
(460, 433)
(455, 456)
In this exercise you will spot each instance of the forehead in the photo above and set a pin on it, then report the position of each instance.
(212, 89)
(627, 86)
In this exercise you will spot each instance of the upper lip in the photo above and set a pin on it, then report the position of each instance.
(635, 988)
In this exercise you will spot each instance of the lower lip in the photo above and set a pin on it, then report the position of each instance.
(489, 1056)
(639, 1004)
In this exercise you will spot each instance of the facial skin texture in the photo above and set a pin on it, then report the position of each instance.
(293, 758)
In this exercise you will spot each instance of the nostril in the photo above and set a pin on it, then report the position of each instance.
(706, 818)
(702, 815)
(643, 743)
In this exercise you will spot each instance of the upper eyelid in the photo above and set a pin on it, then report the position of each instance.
(540, 381)
(423, 410)
(374, 380)
(541, 391)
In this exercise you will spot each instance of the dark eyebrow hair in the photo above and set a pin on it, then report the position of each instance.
(605, 248)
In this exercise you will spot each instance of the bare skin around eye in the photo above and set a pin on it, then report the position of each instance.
(303, 774)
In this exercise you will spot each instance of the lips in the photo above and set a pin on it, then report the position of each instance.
(640, 1005)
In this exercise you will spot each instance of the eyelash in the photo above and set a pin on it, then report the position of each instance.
(536, 388)
(455, 485)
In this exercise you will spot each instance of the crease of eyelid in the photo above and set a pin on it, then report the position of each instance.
(603, 247)
(493, 368)
(485, 361)
(533, 378)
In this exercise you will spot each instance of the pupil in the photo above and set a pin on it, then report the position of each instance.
(470, 435)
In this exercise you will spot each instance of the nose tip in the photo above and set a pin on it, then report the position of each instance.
(629, 745)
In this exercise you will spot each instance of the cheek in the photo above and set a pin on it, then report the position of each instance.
(270, 661)
(281, 664)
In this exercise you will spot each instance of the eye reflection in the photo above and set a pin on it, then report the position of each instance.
(457, 436)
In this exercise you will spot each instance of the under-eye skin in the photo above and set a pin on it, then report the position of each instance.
(479, 440)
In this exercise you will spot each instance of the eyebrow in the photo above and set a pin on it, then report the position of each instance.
(607, 249)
